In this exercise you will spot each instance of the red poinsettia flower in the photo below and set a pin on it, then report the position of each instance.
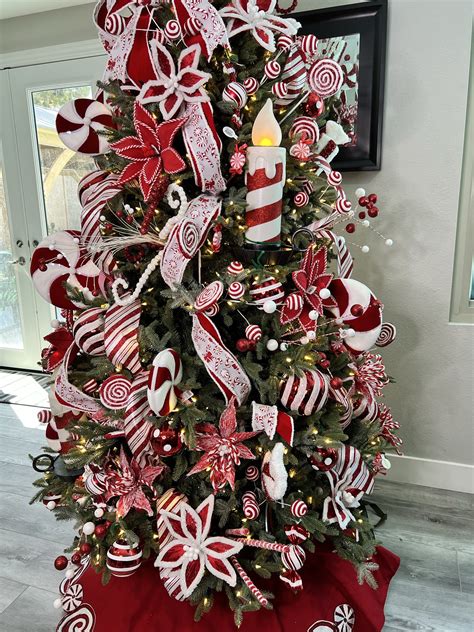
(127, 481)
(258, 17)
(370, 376)
(388, 426)
(150, 152)
(174, 85)
(310, 279)
(60, 340)
(191, 551)
(223, 448)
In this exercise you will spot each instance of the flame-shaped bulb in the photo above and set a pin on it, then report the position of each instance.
(265, 131)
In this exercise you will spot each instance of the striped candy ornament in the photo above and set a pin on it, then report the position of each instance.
(294, 75)
(115, 391)
(44, 416)
(272, 69)
(296, 533)
(284, 42)
(90, 386)
(307, 394)
(236, 290)
(138, 430)
(235, 94)
(82, 618)
(280, 89)
(209, 296)
(234, 268)
(172, 30)
(164, 376)
(301, 199)
(78, 122)
(192, 26)
(115, 24)
(95, 191)
(325, 77)
(343, 205)
(124, 559)
(252, 473)
(334, 178)
(270, 289)
(251, 86)
(253, 333)
(306, 127)
(95, 480)
(72, 598)
(308, 44)
(213, 310)
(293, 306)
(299, 508)
(121, 335)
(88, 331)
(294, 558)
(263, 601)
(171, 501)
(250, 506)
(387, 335)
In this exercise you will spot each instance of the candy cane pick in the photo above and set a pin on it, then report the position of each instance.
(249, 583)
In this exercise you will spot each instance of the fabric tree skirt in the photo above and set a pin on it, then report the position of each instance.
(332, 601)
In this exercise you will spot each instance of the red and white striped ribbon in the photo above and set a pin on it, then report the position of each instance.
(121, 335)
(95, 190)
(137, 429)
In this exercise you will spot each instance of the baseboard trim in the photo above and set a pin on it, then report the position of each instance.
(458, 477)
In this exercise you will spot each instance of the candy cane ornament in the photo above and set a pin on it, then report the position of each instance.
(165, 374)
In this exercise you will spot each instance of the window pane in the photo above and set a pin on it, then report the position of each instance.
(61, 168)
(10, 321)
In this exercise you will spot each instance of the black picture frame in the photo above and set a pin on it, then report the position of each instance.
(369, 19)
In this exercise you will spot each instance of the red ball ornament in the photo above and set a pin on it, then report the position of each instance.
(350, 228)
(373, 198)
(60, 563)
(357, 310)
(101, 530)
(325, 364)
(124, 559)
(85, 548)
(76, 558)
(324, 459)
(336, 382)
(362, 215)
(314, 106)
(242, 345)
(363, 201)
(373, 212)
(166, 441)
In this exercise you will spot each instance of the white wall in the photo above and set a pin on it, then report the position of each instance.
(425, 107)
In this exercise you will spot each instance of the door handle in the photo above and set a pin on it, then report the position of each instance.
(20, 261)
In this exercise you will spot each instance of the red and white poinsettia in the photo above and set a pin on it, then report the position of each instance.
(149, 152)
(223, 448)
(370, 376)
(127, 481)
(192, 551)
(173, 85)
(310, 279)
(257, 16)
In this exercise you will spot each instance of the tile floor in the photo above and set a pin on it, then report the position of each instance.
(432, 531)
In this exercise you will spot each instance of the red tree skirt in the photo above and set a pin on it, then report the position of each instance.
(332, 601)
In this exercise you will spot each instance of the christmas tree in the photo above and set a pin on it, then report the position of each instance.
(215, 393)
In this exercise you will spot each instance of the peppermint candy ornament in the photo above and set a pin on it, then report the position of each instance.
(325, 77)
(284, 42)
(294, 558)
(124, 559)
(272, 69)
(306, 127)
(253, 333)
(301, 199)
(235, 268)
(236, 290)
(270, 289)
(72, 598)
(209, 296)
(387, 335)
(251, 86)
(307, 394)
(235, 94)
(334, 178)
(299, 508)
(60, 260)
(308, 44)
(78, 123)
(165, 374)
(366, 325)
(250, 506)
(192, 26)
(88, 331)
(280, 90)
(115, 391)
(252, 473)
(172, 30)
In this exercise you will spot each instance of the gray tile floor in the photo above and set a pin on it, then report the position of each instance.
(431, 530)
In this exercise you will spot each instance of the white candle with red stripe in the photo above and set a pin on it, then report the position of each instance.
(265, 179)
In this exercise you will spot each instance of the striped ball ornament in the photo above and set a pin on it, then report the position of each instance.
(115, 391)
(280, 89)
(306, 394)
(270, 289)
(192, 26)
(306, 127)
(250, 506)
(252, 473)
(253, 333)
(235, 94)
(301, 199)
(88, 331)
(343, 205)
(299, 508)
(334, 178)
(284, 42)
(90, 387)
(123, 559)
(294, 558)
(234, 268)
(172, 30)
(251, 86)
(272, 69)
(44, 416)
(308, 44)
(236, 290)
(212, 311)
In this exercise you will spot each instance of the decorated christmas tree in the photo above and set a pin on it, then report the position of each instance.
(215, 382)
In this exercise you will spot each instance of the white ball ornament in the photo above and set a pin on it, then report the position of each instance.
(69, 574)
(311, 335)
(99, 512)
(269, 307)
(57, 603)
(304, 340)
(313, 314)
(283, 346)
(272, 344)
(366, 223)
(365, 249)
(339, 321)
(360, 192)
(55, 324)
(51, 505)
(88, 528)
(324, 293)
(389, 242)
(350, 332)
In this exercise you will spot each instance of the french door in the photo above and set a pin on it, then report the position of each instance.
(38, 182)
